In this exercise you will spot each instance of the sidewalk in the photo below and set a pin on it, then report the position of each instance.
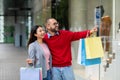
(11, 59)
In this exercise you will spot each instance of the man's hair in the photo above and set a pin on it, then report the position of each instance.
(47, 20)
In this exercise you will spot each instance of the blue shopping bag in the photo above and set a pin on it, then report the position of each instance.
(30, 73)
(82, 55)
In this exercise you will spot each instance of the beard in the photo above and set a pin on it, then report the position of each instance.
(54, 30)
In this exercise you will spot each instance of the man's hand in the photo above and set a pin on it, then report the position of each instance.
(93, 30)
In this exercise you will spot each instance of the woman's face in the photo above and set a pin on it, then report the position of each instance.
(40, 32)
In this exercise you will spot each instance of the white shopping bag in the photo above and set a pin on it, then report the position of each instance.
(30, 73)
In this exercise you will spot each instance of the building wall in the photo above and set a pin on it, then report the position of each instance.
(41, 11)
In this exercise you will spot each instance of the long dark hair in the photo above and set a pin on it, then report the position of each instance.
(32, 37)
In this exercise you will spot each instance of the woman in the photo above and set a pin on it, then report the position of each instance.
(38, 52)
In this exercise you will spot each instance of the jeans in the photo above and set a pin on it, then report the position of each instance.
(49, 75)
(62, 73)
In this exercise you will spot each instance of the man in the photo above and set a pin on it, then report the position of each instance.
(59, 43)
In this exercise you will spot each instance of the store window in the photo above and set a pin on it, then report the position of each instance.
(60, 12)
(1, 28)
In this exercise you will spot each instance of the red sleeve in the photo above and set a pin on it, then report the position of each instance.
(79, 35)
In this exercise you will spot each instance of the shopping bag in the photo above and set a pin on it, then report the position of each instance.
(79, 52)
(94, 47)
(82, 55)
(30, 73)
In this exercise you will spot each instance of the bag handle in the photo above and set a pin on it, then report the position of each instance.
(91, 35)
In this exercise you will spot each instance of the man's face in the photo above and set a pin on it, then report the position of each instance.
(52, 25)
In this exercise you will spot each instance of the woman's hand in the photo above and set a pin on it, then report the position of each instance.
(29, 61)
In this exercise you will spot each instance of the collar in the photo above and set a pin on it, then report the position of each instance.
(49, 35)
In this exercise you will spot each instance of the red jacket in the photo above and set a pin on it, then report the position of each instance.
(60, 46)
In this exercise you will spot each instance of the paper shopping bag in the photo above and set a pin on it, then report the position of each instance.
(30, 73)
(94, 47)
(79, 52)
(82, 55)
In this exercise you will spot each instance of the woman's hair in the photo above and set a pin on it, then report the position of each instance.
(32, 37)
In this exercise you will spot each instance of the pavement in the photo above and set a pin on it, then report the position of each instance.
(11, 59)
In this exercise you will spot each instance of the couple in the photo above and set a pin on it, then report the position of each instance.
(52, 51)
